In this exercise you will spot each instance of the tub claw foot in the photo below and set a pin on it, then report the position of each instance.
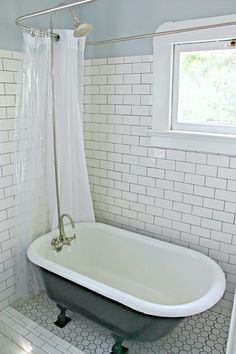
(117, 347)
(62, 319)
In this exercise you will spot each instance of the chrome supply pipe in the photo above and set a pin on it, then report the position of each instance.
(58, 242)
(54, 131)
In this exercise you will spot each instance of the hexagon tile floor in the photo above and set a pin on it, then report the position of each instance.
(199, 334)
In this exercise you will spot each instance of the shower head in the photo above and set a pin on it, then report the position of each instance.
(82, 29)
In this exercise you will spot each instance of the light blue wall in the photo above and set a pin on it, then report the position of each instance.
(116, 18)
(10, 35)
(112, 18)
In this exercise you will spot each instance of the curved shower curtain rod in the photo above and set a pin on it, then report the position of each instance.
(33, 31)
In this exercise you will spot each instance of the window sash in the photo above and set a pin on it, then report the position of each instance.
(195, 127)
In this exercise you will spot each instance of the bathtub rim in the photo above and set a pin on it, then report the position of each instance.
(209, 299)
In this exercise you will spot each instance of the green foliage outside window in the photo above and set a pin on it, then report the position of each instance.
(207, 87)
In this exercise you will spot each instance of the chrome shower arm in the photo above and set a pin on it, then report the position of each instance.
(45, 12)
(75, 17)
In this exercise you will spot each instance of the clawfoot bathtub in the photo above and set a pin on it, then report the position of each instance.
(138, 287)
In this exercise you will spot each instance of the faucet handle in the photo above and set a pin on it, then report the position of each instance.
(56, 244)
(72, 237)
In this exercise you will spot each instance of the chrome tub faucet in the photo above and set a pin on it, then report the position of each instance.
(63, 240)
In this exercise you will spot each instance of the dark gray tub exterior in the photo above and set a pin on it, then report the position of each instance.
(119, 319)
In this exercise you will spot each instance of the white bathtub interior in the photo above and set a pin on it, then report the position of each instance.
(160, 277)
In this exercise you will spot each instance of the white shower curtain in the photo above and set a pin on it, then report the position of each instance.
(36, 211)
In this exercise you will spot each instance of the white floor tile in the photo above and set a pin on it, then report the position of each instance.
(204, 333)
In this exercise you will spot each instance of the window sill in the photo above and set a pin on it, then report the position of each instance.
(203, 142)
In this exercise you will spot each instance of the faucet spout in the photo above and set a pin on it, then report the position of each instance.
(62, 222)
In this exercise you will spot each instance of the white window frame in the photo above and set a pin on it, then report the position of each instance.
(162, 134)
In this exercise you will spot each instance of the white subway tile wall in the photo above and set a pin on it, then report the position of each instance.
(183, 197)
(9, 68)
(187, 198)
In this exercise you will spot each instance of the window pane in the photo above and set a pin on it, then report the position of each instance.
(207, 87)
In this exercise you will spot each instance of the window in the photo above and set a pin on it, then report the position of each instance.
(204, 87)
(195, 88)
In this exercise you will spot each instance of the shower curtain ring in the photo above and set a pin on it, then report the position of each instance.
(32, 32)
